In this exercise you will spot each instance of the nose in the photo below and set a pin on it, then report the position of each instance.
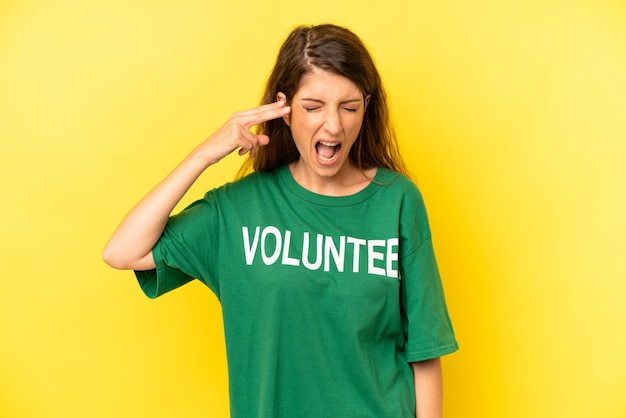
(332, 124)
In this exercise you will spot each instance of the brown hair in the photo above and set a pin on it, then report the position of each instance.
(339, 51)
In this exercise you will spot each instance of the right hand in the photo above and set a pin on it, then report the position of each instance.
(236, 134)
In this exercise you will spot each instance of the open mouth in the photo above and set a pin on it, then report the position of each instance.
(326, 151)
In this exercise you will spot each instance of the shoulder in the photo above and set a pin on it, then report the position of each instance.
(248, 191)
(398, 183)
(252, 187)
(401, 192)
(249, 183)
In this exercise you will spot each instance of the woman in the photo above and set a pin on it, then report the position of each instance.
(321, 258)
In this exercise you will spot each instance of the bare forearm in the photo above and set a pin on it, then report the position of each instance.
(131, 244)
(428, 388)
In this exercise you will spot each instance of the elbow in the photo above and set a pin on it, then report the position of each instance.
(112, 258)
(121, 258)
(109, 258)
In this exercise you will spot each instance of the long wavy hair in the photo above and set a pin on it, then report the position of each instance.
(337, 50)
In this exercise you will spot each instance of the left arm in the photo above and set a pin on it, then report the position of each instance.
(428, 388)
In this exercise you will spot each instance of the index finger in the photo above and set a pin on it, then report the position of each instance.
(263, 113)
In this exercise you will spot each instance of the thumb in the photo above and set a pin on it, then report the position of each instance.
(263, 140)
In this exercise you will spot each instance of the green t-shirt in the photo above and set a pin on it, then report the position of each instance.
(325, 300)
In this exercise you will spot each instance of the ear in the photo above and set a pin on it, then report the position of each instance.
(282, 97)
(366, 99)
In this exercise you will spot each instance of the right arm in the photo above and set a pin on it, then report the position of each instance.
(130, 246)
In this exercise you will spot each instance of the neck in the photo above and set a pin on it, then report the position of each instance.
(347, 181)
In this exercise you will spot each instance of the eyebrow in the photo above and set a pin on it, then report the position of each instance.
(310, 99)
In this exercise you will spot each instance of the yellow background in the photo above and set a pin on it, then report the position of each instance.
(511, 114)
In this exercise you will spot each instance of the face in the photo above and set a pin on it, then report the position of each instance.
(326, 116)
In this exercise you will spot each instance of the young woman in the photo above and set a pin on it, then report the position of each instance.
(321, 257)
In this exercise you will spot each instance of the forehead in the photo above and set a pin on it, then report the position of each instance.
(324, 84)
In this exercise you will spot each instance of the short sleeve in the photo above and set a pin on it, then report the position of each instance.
(162, 279)
(428, 328)
(185, 251)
